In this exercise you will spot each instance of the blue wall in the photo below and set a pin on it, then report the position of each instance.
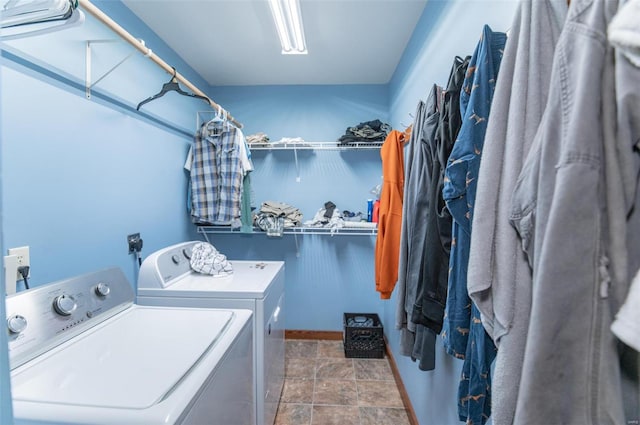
(315, 113)
(6, 414)
(324, 282)
(79, 175)
(446, 29)
(325, 276)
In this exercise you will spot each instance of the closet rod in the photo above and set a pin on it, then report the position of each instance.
(105, 19)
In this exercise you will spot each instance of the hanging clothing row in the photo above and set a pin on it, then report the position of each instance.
(426, 227)
(524, 258)
(439, 194)
(572, 207)
(220, 163)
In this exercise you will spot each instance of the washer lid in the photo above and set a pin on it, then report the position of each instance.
(132, 361)
(250, 279)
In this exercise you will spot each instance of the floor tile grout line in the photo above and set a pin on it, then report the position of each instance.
(359, 408)
(315, 380)
(313, 394)
(357, 393)
(344, 405)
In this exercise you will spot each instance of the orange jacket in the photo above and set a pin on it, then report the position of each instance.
(390, 214)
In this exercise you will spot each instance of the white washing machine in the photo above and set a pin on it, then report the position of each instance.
(82, 352)
(166, 279)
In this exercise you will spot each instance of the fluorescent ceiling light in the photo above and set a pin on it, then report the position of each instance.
(21, 12)
(24, 18)
(288, 20)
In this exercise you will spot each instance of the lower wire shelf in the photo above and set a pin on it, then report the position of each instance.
(299, 230)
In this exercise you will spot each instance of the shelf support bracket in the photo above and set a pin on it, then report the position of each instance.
(295, 154)
(295, 238)
(88, 85)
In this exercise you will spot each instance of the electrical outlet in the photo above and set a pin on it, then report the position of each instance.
(135, 243)
(23, 258)
(10, 273)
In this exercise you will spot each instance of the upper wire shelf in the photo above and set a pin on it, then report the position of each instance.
(272, 146)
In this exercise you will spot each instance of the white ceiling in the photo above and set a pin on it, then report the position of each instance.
(234, 42)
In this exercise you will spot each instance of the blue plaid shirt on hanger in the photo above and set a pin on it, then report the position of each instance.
(216, 176)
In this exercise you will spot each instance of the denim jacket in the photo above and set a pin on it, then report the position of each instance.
(463, 333)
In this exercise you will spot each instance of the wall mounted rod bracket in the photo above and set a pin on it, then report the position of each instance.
(88, 83)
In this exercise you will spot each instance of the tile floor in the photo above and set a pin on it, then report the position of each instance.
(322, 387)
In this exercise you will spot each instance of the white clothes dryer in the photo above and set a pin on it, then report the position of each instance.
(166, 279)
(82, 352)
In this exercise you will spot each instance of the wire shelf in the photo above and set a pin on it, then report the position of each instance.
(273, 146)
(302, 230)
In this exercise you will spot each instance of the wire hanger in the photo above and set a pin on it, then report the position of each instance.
(227, 123)
(172, 85)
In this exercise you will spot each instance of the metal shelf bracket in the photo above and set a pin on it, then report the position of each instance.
(295, 154)
(88, 85)
(295, 238)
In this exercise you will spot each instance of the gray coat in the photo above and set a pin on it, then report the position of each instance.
(499, 278)
(568, 208)
(416, 341)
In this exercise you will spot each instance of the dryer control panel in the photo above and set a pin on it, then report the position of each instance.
(42, 318)
(163, 267)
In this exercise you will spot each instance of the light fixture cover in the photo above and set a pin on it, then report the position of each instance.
(288, 20)
(25, 18)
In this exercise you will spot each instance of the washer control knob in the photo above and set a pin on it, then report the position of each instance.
(16, 324)
(175, 259)
(187, 253)
(102, 289)
(64, 305)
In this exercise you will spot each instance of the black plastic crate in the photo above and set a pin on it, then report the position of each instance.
(363, 336)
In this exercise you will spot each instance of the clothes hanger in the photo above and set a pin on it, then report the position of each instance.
(227, 124)
(407, 133)
(218, 117)
(210, 126)
(172, 85)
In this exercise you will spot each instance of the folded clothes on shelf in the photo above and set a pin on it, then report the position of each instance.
(292, 216)
(257, 138)
(366, 132)
(352, 216)
(328, 216)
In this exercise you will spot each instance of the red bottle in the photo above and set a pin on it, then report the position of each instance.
(376, 211)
